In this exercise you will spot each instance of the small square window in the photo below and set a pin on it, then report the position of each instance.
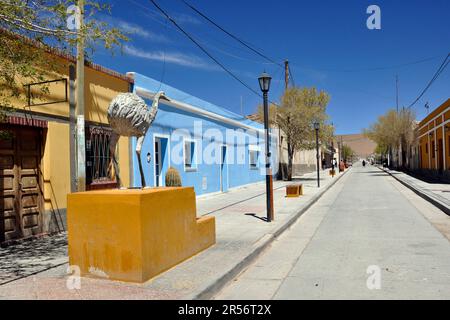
(190, 151)
(253, 158)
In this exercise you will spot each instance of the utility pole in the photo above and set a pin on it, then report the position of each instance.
(280, 147)
(81, 149)
(396, 88)
(286, 74)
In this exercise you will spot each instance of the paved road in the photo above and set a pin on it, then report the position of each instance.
(366, 222)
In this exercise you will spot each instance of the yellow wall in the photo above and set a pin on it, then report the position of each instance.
(56, 164)
(100, 88)
(124, 161)
(138, 235)
(429, 124)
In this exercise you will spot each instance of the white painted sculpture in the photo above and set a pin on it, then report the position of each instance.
(129, 116)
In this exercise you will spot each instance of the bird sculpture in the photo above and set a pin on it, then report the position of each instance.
(129, 116)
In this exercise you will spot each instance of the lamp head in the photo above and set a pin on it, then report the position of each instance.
(316, 125)
(264, 82)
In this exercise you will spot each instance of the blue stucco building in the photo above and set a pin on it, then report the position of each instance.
(213, 148)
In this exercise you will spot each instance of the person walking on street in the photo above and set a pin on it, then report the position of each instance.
(341, 166)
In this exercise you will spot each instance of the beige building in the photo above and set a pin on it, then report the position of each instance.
(304, 161)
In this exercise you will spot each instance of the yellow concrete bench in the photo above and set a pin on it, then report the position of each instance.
(294, 190)
(133, 235)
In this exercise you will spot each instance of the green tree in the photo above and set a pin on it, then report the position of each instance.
(393, 130)
(347, 153)
(29, 29)
(299, 109)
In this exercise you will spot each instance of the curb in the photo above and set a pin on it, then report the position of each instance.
(212, 289)
(421, 194)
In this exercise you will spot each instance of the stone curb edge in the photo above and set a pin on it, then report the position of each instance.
(421, 194)
(210, 290)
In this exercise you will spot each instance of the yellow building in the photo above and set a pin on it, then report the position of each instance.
(37, 167)
(434, 139)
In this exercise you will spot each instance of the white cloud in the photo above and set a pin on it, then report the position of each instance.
(133, 29)
(178, 58)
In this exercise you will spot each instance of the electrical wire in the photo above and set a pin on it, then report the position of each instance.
(291, 76)
(231, 35)
(206, 51)
(297, 65)
(163, 73)
(436, 75)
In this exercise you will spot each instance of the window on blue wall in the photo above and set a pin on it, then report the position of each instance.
(190, 158)
(253, 157)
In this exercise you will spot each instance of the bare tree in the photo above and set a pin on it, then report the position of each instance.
(299, 109)
(394, 131)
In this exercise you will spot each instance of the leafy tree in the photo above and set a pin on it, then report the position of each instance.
(30, 29)
(299, 109)
(393, 130)
(347, 153)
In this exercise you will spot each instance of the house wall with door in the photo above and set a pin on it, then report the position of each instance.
(35, 203)
(212, 148)
(434, 139)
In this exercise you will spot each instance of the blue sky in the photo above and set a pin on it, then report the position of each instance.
(326, 41)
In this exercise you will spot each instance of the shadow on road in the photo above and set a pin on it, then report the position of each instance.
(29, 257)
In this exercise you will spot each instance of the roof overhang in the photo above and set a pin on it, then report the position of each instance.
(196, 110)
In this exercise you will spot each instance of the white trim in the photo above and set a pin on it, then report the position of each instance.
(437, 116)
(429, 152)
(192, 109)
(444, 156)
(163, 136)
(430, 130)
(194, 156)
(435, 147)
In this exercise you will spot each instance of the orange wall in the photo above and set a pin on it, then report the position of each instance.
(438, 137)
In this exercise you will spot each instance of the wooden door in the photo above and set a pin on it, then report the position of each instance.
(20, 183)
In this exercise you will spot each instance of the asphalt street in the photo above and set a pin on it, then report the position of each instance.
(368, 237)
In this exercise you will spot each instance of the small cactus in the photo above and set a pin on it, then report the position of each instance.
(173, 178)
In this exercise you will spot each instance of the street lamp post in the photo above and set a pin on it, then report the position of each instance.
(264, 83)
(316, 127)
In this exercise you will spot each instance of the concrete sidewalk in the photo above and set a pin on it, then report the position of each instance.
(242, 234)
(436, 193)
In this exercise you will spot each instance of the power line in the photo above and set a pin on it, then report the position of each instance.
(436, 75)
(231, 35)
(291, 76)
(154, 16)
(205, 51)
(369, 69)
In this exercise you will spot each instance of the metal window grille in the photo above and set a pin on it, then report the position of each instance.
(98, 158)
